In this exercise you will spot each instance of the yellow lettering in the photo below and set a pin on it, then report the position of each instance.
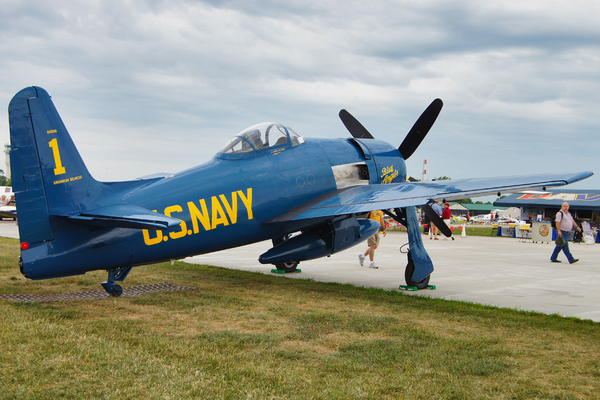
(183, 226)
(56, 153)
(389, 170)
(247, 200)
(199, 216)
(224, 211)
(51, 131)
(231, 210)
(390, 178)
(218, 215)
(149, 241)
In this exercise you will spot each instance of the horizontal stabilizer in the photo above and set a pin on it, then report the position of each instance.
(124, 216)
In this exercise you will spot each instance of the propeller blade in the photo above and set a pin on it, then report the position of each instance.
(356, 129)
(436, 220)
(420, 129)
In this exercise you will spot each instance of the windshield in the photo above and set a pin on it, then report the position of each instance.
(260, 136)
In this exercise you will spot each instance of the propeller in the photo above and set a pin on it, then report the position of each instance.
(356, 129)
(436, 220)
(415, 136)
(420, 129)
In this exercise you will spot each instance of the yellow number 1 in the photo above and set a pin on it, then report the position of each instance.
(59, 167)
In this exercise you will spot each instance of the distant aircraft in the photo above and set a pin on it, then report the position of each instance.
(266, 183)
(482, 218)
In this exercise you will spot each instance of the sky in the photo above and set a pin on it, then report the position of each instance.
(156, 86)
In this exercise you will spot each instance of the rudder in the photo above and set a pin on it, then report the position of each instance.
(48, 174)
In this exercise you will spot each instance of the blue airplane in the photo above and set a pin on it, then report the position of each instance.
(266, 183)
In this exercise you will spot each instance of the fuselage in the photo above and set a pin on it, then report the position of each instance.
(266, 183)
(222, 204)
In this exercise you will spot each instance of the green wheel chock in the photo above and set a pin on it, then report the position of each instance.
(414, 288)
(411, 288)
(280, 271)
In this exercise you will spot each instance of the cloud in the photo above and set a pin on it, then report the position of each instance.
(157, 84)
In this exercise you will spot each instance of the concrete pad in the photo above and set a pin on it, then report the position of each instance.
(494, 271)
(9, 228)
(485, 270)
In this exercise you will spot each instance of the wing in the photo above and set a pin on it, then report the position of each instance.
(360, 199)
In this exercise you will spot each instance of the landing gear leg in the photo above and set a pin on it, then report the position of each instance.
(408, 273)
(116, 275)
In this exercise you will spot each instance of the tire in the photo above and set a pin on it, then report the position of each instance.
(287, 267)
(117, 291)
(408, 273)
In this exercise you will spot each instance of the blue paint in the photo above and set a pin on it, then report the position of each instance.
(266, 183)
(423, 263)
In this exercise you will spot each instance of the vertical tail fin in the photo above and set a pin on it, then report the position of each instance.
(48, 174)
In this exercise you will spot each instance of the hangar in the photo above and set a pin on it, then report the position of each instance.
(584, 204)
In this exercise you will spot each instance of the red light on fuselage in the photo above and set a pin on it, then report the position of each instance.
(24, 245)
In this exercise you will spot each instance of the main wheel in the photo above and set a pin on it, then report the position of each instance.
(287, 267)
(408, 273)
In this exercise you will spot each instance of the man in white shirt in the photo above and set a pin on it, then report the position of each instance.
(564, 224)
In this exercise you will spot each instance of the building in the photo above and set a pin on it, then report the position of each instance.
(461, 209)
(584, 204)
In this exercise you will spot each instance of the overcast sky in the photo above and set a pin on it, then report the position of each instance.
(159, 86)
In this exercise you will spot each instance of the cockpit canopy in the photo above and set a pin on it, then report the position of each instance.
(261, 136)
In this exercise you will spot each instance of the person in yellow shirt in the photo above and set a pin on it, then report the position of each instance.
(373, 241)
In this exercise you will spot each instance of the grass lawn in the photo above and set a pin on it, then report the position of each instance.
(472, 230)
(243, 335)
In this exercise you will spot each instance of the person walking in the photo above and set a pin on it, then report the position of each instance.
(433, 232)
(564, 224)
(373, 241)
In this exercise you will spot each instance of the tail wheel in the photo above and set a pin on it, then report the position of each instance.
(117, 291)
(408, 273)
